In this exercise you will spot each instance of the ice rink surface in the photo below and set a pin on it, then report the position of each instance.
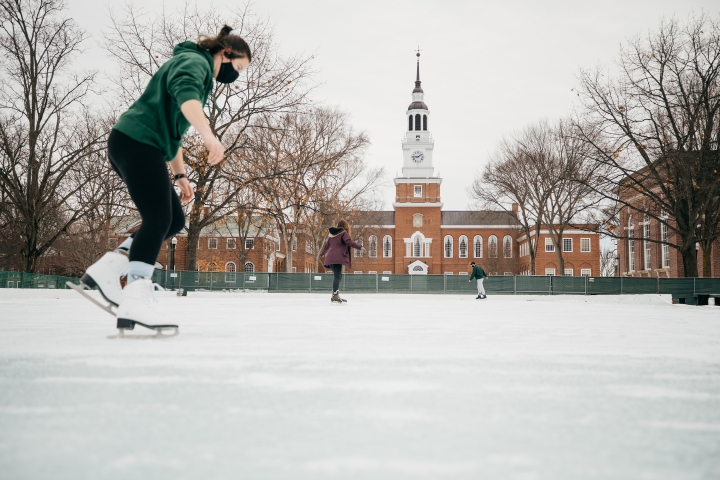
(288, 386)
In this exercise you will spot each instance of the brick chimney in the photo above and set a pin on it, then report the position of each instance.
(515, 208)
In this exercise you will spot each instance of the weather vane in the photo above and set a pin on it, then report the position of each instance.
(418, 51)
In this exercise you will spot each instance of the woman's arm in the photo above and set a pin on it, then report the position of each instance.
(349, 241)
(193, 112)
(177, 166)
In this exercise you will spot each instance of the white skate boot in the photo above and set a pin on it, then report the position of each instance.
(140, 307)
(105, 275)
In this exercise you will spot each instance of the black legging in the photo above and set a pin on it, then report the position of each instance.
(337, 271)
(144, 170)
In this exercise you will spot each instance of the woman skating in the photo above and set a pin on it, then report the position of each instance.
(145, 139)
(337, 254)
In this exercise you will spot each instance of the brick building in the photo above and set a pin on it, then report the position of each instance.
(580, 252)
(418, 237)
(639, 248)
(226, 246)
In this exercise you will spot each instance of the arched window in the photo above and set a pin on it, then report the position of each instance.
(249, 267)
(417, 121)
(477, 243)
(463, 246)
(507, 246)
(230, 272)
(387, 246)
(424, 122)
(417, 246)
(410, 122)
(664, 238)
(631, 245)
(372, 252)
(448, 246)
(492, 246)
(358, 253)
(646, 236)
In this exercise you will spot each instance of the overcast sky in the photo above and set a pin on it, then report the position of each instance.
(487, 67)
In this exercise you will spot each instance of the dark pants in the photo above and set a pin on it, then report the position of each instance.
(144, 170)
(337, 272)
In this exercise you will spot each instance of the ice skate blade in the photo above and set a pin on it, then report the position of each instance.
(124, 324)
(157, 335)
(81, 290)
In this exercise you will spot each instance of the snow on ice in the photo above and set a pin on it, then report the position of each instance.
(288, 386)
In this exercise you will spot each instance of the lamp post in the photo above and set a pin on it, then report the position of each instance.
(172, 252)
(172, 259)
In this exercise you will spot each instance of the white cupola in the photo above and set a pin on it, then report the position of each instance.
(418, 143)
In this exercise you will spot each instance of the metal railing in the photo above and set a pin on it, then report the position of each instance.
(679, 288)
(688, 289)
(34, 280)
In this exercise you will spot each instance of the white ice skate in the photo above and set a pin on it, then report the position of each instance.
(140, 307)
(105, 275)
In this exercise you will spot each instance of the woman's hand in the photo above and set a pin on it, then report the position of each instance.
(215, 148)
(186, 190)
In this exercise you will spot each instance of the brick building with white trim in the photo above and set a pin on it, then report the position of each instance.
(418, 237)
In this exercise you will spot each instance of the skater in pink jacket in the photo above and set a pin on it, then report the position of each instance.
(337, 254)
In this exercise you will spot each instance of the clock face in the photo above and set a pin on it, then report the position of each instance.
(418, 156)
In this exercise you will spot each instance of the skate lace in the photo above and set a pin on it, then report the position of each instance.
(155, 287)
(152, 299)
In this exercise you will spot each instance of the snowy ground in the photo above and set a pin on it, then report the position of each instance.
(287, 386)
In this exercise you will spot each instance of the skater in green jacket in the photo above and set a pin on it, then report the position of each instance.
(479, 273)
(144, 142)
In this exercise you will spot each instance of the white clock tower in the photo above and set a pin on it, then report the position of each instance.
(418, 143)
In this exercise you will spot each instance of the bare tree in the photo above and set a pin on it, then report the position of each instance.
(273, 84)
(251, 220)
(655, 128)
(607, 262)
(537, 170)
(571, 183)
(106, 200)
(47, 135)
(304, 161)
(511, 176)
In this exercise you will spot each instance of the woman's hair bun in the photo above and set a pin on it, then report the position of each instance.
(225, 40)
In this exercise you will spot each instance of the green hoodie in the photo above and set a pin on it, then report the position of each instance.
(155, 118)
(478, 272)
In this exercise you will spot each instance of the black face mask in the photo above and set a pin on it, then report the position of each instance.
(227, 73)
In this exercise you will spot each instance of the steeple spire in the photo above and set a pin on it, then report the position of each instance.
(417, 78)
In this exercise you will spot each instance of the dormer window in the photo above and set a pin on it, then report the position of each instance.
(418, 191)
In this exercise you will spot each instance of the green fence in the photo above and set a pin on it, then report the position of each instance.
(684, 290)
(34, 280)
